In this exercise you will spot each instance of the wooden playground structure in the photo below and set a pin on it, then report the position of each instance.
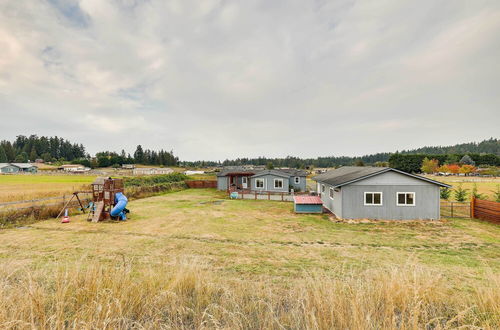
(103, 198)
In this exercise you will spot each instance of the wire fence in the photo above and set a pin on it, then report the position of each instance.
(455, 209)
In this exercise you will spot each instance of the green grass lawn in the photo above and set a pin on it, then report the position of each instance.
(247, 237)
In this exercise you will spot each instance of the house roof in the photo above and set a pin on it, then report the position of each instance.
(349, 174)
(236, 170)
(23, 165)
(308, 200)
(280, 173)
(2, 165)
(286, 172)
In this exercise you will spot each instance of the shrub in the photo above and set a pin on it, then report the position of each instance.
(496, 194)
(153, 180)
(445, 193)
(461, 194)
(475, 194)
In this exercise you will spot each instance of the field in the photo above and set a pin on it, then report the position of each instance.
(26, 187)
(485, 185)
(194, 259)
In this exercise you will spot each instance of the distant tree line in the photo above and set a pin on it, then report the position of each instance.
(486, 152)
(140, 156)
(24, 149)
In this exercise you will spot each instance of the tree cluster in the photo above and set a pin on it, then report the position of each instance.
(413, 163)
(24, 149)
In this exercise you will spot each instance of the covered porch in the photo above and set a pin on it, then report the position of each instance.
(238, 181)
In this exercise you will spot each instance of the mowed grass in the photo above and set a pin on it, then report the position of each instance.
(33, 186)
(199, 260)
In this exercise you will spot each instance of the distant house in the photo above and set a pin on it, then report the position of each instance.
(74, 168)
(352, 192)
(279, 180)
(128, 166)
(9, 168)
(152, 170)
(188, 172)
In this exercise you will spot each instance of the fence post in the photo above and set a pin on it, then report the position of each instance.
(268, 196)
(472, 207)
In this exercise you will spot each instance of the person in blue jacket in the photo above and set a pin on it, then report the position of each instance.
(119, 209)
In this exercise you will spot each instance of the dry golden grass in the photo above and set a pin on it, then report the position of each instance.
(27, 187)
(187, 295)
(192, 259)
(485, 185)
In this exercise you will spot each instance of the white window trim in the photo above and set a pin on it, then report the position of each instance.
(263, 183)
(282, 184)
(331, 192)
(374, 192)
(406, 192)
(297, 180)
(244, 179)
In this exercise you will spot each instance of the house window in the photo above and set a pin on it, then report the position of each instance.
(322, 188)
(297, 180)
(331, 193)
(244, 180)
(373, 198)
(259, 183)
(278, 183)
(405, 199)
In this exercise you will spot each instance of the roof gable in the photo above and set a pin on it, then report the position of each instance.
(350, 174)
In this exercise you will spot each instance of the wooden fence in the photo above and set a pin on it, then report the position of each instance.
(201, 183)
(485, 210)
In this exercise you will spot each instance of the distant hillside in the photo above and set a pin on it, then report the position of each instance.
(475, 149)
(491, 146)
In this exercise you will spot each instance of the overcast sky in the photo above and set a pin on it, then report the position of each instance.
(217, 79)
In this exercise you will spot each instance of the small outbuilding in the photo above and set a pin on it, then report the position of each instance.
(308, 204)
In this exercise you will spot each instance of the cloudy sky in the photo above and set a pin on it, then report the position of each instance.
(218, 79)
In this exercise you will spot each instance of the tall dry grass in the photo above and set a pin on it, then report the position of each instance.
(185, 296)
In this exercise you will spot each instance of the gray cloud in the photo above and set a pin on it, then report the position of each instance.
(222, 79)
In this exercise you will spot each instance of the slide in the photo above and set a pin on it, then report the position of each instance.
(120, 204)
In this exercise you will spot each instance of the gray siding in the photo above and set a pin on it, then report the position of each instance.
(9, 169)
(269, 183)
(222, 182)
(426, 202)
(301, 185)
(335, 204)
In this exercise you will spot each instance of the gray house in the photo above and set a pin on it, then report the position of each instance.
(9, 168)
(352, 192)
(277, 180)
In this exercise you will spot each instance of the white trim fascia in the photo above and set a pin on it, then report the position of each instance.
(374, 192)
(282, 183)
(406, 192)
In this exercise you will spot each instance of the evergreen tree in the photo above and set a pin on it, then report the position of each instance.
(33, 154)
(139, 155)
(461, 194)
(3, 155)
